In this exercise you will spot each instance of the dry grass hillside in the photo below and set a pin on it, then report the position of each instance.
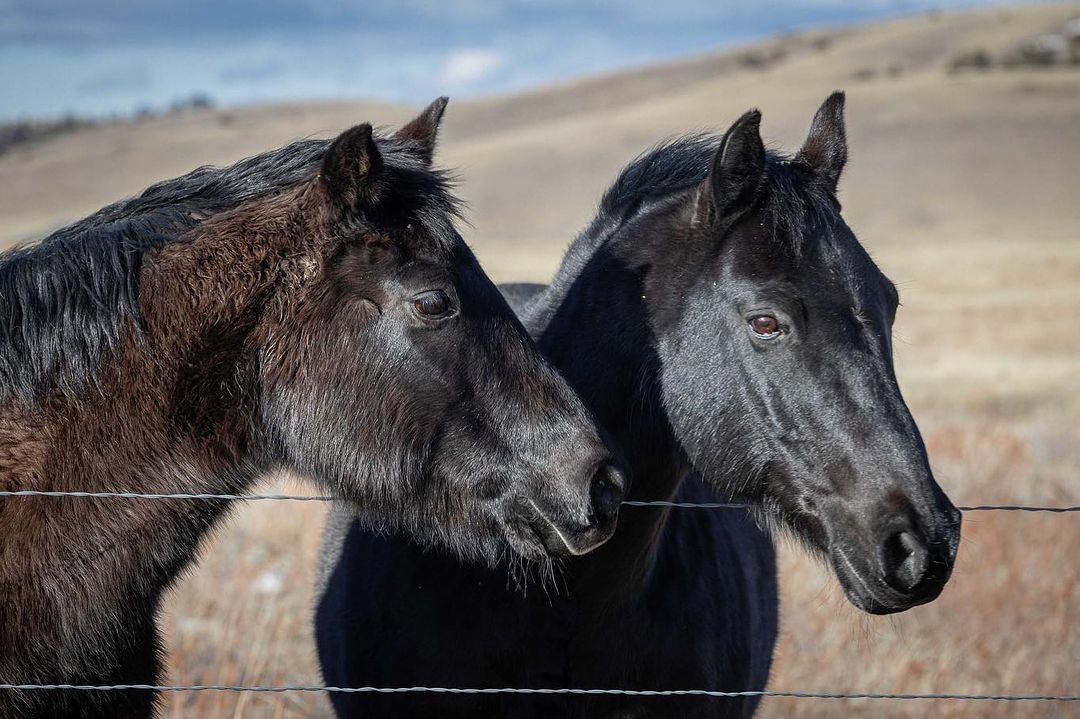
(964, 185)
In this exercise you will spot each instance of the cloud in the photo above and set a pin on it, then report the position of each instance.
(468, 66)
(102, 58)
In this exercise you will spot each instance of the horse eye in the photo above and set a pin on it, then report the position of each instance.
(765, 326)
(432, 304)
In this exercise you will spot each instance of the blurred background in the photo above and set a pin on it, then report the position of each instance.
(964, 126)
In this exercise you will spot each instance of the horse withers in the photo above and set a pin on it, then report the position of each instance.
(722, 320)
(313, 309)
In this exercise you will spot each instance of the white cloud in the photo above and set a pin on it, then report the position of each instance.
(467, 66)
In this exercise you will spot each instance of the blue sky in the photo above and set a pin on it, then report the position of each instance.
(116, 56)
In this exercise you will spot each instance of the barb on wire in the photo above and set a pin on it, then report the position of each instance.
(324, 498)
(559, 690)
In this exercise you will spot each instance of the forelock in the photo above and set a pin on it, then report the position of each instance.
(424, 192)
(799, 209)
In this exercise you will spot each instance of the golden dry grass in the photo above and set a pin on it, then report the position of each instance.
(963, 186)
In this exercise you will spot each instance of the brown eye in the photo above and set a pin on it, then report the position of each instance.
(432, 304)
(765, 326)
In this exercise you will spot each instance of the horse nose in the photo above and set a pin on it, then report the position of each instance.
(606, 492)
(904, 560)
(913, 566)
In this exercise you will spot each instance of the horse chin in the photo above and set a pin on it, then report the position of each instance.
(524, 540)
(864, 590)
(535, 537)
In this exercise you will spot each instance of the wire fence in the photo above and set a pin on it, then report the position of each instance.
(542, 691)
(516, 690)
(325, 498)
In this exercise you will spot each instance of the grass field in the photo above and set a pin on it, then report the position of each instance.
(963, 185)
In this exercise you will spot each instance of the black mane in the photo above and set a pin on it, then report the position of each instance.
(64, 301)
(792, 194)
(668, 168)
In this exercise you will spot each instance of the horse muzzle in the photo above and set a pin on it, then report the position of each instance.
(583, 528)
(906, 565)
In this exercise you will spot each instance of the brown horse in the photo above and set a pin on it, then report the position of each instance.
(311, 309)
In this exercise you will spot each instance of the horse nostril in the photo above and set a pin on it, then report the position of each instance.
(606, 492)
(905, 561)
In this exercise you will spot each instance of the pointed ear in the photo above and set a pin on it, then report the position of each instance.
(422, 130)
(737, 172)
(351, 169)
(825, 149)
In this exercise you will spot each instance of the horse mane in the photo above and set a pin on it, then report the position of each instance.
(682, 163)
(64, 302)
(672, 166)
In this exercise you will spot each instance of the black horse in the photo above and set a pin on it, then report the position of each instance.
(719, 317)
(312, 309)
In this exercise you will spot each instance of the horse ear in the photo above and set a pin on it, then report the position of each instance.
(421, 131)
(351, 168)
(825, 149)
(736, 173)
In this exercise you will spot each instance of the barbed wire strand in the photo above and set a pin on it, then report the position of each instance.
(324, 498)
(560, 690)
(508, 690)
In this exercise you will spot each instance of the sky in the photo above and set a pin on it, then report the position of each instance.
(116, 57)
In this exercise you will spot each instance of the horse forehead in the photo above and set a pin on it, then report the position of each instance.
(846, 257)
(840, 270)
(830, 267)
(424, 237)
(426, 248)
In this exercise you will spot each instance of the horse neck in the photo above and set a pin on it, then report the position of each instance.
(592, 323)
(73, 566)
(173, 411)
